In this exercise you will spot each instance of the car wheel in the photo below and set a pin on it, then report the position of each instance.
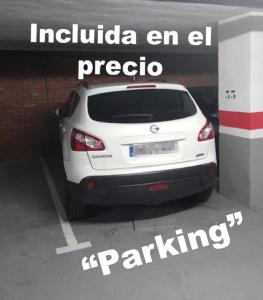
(74, 209)
(204, 195)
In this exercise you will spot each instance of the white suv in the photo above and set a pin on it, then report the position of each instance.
(134, 143)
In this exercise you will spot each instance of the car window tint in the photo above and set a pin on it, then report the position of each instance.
(74, 101)
(141, 106)
(67, 105)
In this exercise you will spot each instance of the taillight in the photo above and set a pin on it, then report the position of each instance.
(158, 187)
(81, 141)
(141, 86)
(207, 132)
(91, 185)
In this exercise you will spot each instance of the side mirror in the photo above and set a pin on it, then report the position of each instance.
(60, 112)
(214, 115)
(57, 112)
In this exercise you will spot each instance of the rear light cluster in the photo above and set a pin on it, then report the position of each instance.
(81, 141)
(207, 132)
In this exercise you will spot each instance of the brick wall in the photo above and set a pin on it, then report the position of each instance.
(32, 86)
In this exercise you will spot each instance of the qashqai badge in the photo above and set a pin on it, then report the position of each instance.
(154, 129)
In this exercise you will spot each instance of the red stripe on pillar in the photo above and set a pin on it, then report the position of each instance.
(241, 120)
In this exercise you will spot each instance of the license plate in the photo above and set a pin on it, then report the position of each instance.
(153, 148)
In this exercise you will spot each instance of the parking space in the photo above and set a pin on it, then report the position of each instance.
(31, 232)
(148, 101)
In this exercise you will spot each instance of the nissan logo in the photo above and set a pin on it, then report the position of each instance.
(154, 129)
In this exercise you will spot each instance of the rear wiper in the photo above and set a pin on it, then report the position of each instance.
(123, 116)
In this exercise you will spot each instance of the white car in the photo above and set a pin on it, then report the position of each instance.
(134, 143)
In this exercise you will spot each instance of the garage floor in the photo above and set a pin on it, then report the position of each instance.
(30, 233)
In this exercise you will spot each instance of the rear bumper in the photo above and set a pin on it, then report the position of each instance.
(136, 188)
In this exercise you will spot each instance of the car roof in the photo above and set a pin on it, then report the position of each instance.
(157, 84)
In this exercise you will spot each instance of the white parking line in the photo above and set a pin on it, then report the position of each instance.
(72, 243)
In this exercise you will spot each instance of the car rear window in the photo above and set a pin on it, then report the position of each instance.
(140, 106)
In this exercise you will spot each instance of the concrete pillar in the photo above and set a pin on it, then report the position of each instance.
(241, 108)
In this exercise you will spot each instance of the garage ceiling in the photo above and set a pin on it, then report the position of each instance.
(142, 15)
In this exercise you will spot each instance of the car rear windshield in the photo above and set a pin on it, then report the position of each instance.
(140, 106)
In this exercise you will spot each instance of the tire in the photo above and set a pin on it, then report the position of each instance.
(204, 195)
(74, 209)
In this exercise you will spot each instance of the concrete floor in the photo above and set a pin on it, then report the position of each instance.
(30, 233)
